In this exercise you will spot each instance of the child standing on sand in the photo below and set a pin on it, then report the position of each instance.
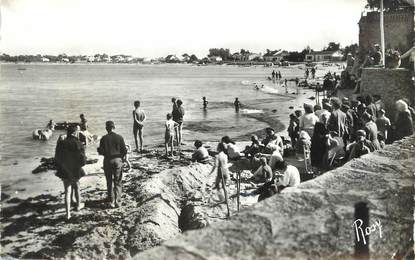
(169, 134)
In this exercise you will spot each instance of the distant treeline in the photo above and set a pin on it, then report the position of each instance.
(216, 55)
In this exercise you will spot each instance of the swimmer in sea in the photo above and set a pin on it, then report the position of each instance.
(237, 104)
(205, 103)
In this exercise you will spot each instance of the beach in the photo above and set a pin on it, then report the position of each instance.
(37, 200)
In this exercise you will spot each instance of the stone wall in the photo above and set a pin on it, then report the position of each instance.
(390, 84)
(315, 219)
(398, 26)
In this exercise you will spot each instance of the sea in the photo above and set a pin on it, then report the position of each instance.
(32, 94)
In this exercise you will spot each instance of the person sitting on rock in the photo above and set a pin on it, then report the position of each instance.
(272, 139)
(359, 147)
(233, 151)
(274, 158)
(201, 154)
(290, 176)
(255, 147)
(264, 172)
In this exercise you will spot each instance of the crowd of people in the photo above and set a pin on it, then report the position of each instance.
(335, 132)
(341, 130)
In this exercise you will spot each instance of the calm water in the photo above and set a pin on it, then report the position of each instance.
(31, 96)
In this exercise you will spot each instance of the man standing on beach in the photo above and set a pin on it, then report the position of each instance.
(112, 147)
(178, 114)
(69, 158)
(139, 118)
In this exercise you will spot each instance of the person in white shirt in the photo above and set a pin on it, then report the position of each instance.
(308, 120)
(290, 176)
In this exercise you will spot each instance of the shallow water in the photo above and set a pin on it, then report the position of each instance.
(30, 97)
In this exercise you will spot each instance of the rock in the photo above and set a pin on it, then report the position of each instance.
(15, 200)
(191, 218)
(4, 196)
(314, 220)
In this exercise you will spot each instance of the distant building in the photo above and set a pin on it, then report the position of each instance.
(255, 56)
(215, 59)
(398, 27)
(276, 56)
(45, 59)
(106, 59)
(64, 60)
(319, 56)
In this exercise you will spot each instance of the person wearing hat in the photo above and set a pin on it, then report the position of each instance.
(114, 150)
(69, 158)
(359, 147)
(383, 123)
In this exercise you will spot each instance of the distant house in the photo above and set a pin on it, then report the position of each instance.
(215, 59)
(45, 59)
(319, 56)
(255, 56)
(276, 56)
(106, 59)
(64, 60)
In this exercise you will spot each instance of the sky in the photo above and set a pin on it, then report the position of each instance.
(154, 28)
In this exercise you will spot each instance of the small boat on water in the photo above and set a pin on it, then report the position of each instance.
(21, 68)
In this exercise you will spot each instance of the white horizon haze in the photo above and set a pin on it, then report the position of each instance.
(160, 27)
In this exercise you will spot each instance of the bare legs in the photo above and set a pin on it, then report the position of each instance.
(138, 131)
(166, 146)
(69, 187)
(179, 134)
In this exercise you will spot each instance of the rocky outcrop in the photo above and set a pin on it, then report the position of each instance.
(315, 219)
